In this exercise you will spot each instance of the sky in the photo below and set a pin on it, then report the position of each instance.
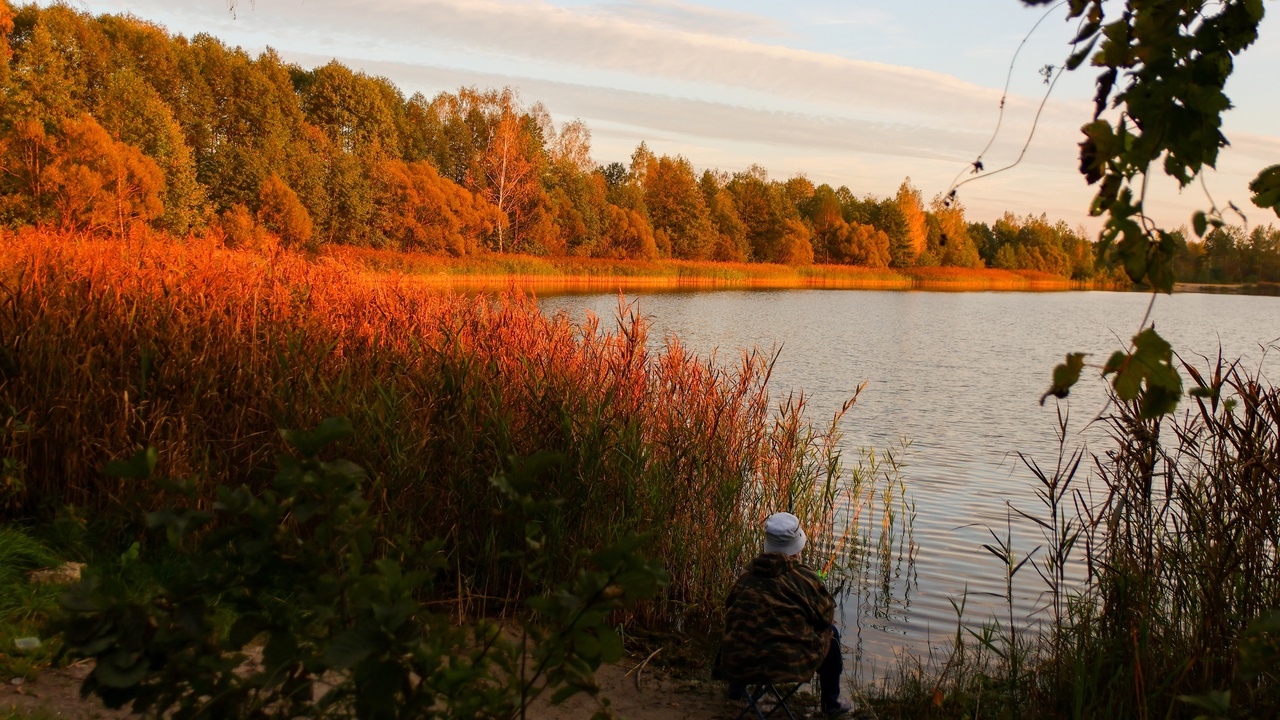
(848, 92)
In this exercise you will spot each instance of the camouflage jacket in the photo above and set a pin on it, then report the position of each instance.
(777, 623)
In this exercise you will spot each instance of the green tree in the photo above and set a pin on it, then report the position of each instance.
(826, 215)
(134, 113)
(1263, 254)
(890, 219)
(764, 208)
(731, 234)
(280, 211)
(678, 208)
(357, 112)
(985, 242)
(1222, 248)
(42, 83)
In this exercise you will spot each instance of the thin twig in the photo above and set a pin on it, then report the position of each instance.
(638, 669)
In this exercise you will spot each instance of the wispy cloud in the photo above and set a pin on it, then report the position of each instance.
(687, 17)
(573, 38)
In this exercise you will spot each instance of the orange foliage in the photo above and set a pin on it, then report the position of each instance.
(795, 247)
(100, 183)
(628, 235)
(6, 27)
(864, 245)
(281, 212)
(911, 204)
(423, 211)
(240, 230)
(78, 178)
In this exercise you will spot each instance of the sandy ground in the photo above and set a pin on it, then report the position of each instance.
(656, 696)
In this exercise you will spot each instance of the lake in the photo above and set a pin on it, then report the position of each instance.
(958, 376)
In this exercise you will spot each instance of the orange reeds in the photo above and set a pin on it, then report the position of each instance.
(481, 272)
(204, 352)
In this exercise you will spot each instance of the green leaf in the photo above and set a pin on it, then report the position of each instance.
(588, 646)
(280, 650)
(1065, 376)
(245, 629)
(1199, 223)
(1216, 702)
(564, 693)
(1147, 374)
(352, 646)
(140, 466)
(1266, 189)
(1079, 56)
(610, 646)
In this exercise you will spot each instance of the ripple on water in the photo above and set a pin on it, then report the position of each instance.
(959, 374)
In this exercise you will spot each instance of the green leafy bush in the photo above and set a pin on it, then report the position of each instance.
(328, 618)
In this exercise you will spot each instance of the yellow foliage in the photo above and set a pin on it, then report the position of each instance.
(281, 212)
(911, 204)
(628, 235)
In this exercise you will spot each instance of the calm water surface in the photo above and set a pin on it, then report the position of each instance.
(959, 375)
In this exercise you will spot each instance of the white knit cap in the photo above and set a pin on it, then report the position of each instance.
(782, 534)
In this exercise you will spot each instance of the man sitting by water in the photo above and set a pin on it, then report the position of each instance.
(778, 621)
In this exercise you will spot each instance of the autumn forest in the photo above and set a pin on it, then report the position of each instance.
(110, 124)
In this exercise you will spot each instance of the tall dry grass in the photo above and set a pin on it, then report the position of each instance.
(204, 352)
(1160, 569)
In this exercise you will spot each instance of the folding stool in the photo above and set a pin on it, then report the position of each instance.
(756, 700)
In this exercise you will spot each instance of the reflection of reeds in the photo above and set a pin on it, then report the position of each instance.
(204, 352)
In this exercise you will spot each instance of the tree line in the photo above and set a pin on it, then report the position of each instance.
(110, 122)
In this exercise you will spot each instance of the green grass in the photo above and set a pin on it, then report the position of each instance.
(24, 607)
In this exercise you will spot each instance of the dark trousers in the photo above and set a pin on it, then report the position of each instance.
(830, 670)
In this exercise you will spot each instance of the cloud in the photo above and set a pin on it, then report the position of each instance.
(686, 17)
(560, 38)
(643, 112)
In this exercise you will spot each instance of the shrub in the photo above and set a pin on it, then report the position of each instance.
(281, 212)
(336, 607)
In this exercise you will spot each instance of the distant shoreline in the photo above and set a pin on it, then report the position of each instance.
(570, 274)
(1260, 288)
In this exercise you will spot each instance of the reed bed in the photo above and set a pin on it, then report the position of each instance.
(203, 352)
(1161, 576)
(955, 278)
(1183, 553)
(489, 272)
